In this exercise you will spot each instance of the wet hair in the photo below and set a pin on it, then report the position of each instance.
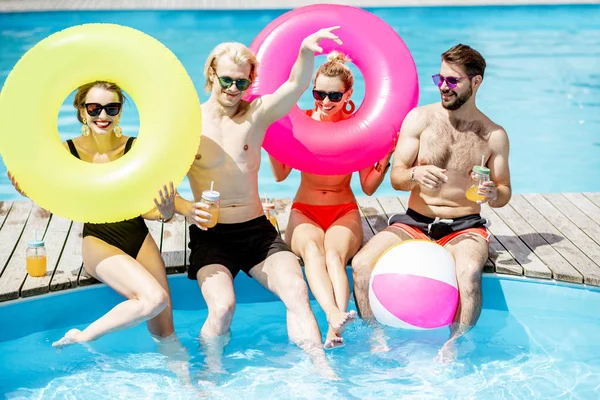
(83, 90)
(466, 57)
(237, 52)
(335, 67)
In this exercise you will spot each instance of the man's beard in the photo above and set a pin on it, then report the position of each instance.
(459, 100)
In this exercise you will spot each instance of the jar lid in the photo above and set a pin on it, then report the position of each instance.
(478, 169)
(211, 195)
(36, 243)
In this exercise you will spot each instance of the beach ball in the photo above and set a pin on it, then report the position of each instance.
(413, 286)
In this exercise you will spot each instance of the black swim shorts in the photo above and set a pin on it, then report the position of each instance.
(238, 247)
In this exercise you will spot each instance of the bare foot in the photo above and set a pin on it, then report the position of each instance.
(447, 353)
(339, 320)
(213, 347)
(317, 356)
(333, 340)
(71, 337)
(379, 341)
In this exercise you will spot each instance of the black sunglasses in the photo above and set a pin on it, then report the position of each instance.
(334, 97)
(226, 82)
(94, 109)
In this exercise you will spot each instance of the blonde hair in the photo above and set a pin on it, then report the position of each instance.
(83, 90)
(237, 52)
(335, 67)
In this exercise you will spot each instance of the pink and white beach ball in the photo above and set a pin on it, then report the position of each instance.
(413, 286)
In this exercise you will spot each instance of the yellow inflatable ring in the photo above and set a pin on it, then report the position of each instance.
(170, 122)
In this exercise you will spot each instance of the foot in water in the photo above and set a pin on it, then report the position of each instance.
(318, 358)
(213, 347)
(71, 337)
(333, 340)
(379, 341)
(447, 353)
(339, 320)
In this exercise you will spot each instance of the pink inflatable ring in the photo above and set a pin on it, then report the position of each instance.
(391, 82)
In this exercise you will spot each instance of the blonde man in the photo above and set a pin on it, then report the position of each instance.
(243, 239)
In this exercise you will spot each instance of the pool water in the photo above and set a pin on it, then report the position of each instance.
(542, 82)
(526, 345)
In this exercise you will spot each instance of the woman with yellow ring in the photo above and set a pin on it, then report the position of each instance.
(123, 254)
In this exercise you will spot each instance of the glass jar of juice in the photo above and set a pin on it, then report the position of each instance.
(269, 209)
(212, 198)
(478, 176)
(35, 258)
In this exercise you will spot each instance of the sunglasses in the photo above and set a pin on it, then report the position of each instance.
(334, 97)
(226, 82)
(451, 81)
(94, 109)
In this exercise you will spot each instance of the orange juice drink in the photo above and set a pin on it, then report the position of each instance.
(212, 198)
(36, 266)
(478, 176)
(35, 257)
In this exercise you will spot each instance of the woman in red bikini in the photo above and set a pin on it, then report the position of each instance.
(324, 227)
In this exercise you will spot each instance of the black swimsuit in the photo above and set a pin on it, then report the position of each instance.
(128, 235)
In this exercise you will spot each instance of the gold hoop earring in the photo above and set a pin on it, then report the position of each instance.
(352, 107)
(85, 129)
(118, 131)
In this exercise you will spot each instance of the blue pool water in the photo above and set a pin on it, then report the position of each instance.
(534, 340)
(542, 83)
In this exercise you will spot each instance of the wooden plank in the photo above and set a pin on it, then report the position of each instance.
(55, 239)
(373, 213)
(155, 228)
(367, 231)
(15, 272)
(557, 230)
(70, 263)
(503, 261)
(391, 205)
(174, 244)
(560, 267)
(567, 244)
(582, 202)
(5, 207)
(570, 231)
(12, 228)
(578, 217)
(593, 197)
(404, 201)
(529, 261)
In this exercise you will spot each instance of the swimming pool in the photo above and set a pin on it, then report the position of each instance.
(542, 82)
(534, 340)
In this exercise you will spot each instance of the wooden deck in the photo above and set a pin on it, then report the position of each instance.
(550, 236)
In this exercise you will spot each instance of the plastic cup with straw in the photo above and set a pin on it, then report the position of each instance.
(212, 198)
(36, 257)
(480, 174)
